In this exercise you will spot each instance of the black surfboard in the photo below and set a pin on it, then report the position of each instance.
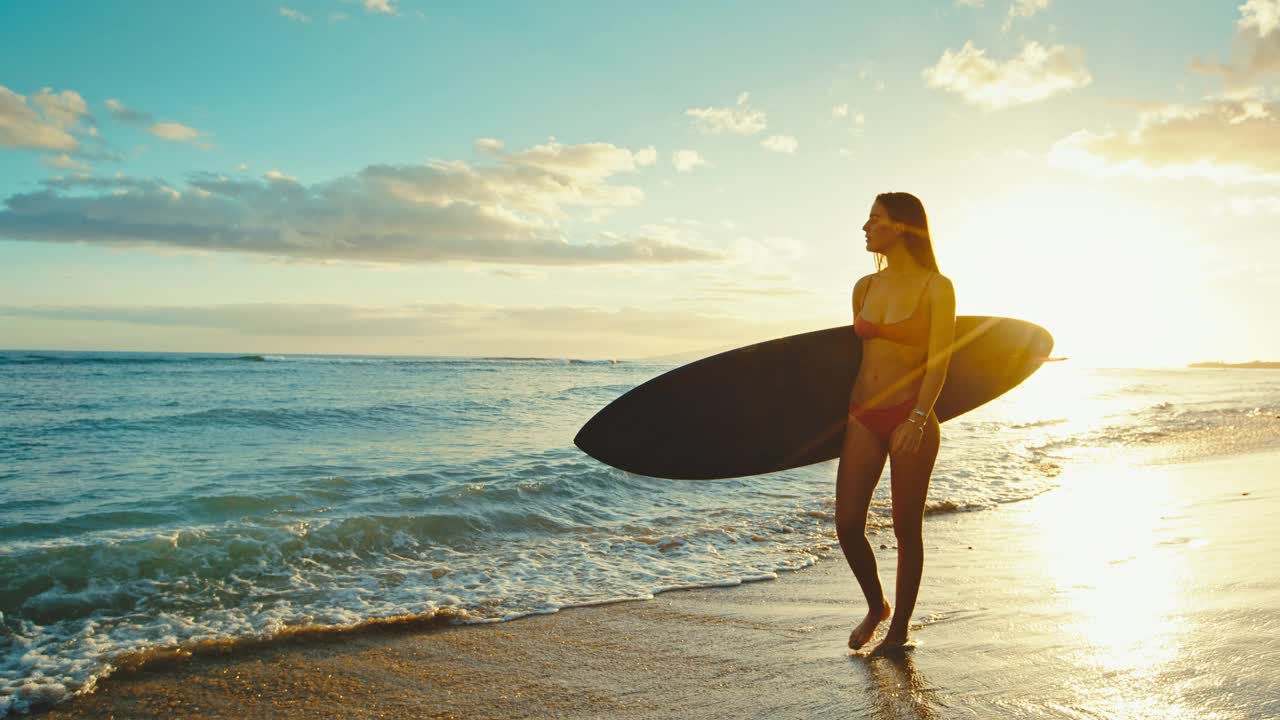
(784, 403)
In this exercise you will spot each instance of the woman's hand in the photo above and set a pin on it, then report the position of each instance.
(906, 437)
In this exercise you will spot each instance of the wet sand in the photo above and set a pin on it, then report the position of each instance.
(1129, 592)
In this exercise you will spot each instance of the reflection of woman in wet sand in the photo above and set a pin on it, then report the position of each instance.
(905, 315)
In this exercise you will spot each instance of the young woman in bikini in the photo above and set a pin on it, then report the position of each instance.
(905, 315)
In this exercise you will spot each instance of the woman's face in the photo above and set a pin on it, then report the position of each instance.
(881, 232)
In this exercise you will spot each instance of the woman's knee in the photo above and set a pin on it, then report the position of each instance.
(850, 527)
(908, 533)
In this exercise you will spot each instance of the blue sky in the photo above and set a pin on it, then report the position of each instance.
(607, 180)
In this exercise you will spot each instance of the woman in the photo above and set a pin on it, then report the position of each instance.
(905, 315)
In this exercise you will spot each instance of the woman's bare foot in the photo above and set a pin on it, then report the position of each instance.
(867, 627)
(894, 643)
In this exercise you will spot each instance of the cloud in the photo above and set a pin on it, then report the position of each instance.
(447, 327)
(970, 3)
(686, 160)
(1234, 138)
(64, 162)
(738, 120)
(724, 288)
(46, 124)
(1023, 8)
(1261, 16)
(1256, 47)
(839, 112)
(294, 15)
(386, 7)
(489, 146)
(646, 156)
(781, 143)
(1036, 74)
(171, 131)
(64, 109)
(508, 211)
(174, 132)
(126, 116)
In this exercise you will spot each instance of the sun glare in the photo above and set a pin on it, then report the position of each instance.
(1119, 588)
(1111, 278)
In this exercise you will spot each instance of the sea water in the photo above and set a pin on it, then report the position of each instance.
(159, 500)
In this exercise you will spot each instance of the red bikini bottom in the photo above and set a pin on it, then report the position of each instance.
(882, 421)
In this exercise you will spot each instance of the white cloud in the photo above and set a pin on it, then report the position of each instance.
(843, 116)
(1257, 45)
(1023, 8)
(294, 15)
(781, 143)
(646, 156)
(449, 328)
(171, 131)
(970, 3)
(1036, 74)
(46, 124)
(65, 162)
(174, 132)
(386, 7)
(489, 146)
(686, 160)
(738, 120)
(507, 211)
(1234, 138)
(1260, 16)
(64, 109)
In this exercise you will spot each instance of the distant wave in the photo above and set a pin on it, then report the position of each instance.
(545, 360)
(125, 359)
(283, 418)
(87, 358)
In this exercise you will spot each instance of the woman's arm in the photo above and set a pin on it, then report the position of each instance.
(942, 336)
(859, 294)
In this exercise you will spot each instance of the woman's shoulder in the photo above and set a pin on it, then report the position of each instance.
(940, 286)
(860, 287)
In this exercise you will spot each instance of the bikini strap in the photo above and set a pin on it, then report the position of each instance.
(925, 289)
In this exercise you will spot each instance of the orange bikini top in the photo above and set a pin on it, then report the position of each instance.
(911, 330)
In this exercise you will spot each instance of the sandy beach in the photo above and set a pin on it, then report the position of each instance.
(1128, 592)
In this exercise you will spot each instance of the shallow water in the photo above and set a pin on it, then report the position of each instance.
(148, 500)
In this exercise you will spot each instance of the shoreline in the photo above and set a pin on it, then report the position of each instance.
(1017, 616)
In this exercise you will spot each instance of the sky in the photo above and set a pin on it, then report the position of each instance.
(630, 180)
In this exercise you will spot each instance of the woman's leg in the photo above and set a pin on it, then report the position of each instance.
(861, 462)
(909, 474)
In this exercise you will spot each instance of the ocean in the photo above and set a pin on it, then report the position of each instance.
(159, 500)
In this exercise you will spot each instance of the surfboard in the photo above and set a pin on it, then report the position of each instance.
(784, 403)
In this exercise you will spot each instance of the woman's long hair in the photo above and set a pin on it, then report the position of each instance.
(906, 209)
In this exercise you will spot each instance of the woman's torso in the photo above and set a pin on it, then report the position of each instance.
(892, 317)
